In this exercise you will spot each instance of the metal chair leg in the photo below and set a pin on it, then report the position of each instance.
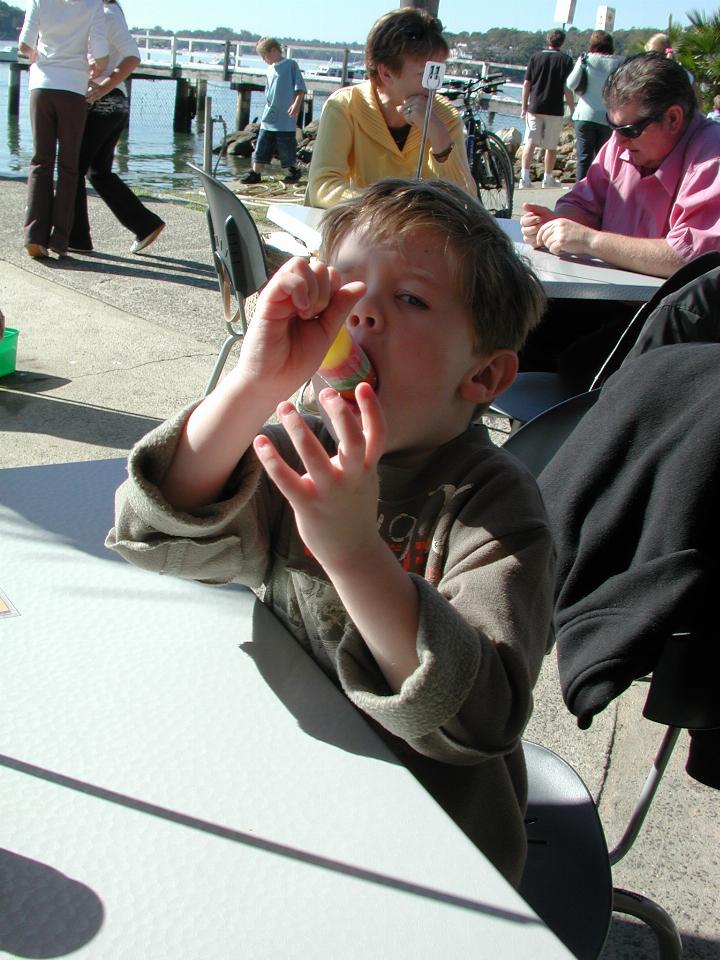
(233, 335)
(230, 342)
(649, 790)
(651, 913)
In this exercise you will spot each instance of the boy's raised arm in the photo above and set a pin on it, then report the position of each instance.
(335, 506)
(297, 317)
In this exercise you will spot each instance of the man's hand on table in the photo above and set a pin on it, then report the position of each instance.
(565, 236)
(542, 227)
(532, 220)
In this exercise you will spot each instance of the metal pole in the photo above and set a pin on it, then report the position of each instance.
(207, 142)
(344, 80)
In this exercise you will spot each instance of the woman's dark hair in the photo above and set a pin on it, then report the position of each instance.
(601, 42)
(653, 82)
(406, 32)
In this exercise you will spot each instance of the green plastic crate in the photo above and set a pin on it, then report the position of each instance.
(8, 351)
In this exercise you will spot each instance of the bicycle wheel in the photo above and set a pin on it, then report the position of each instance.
(493, 174)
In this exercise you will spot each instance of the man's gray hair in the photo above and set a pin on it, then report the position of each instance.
(653, 82)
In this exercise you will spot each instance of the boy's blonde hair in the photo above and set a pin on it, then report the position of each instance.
(500, 290)
(266, 44)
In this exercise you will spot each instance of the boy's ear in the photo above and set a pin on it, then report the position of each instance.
(490, 377)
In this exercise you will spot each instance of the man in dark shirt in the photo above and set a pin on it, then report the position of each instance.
(543, 98)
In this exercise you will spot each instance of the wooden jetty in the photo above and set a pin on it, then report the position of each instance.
(192, 62)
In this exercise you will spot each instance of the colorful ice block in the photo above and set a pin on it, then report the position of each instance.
(345, 366)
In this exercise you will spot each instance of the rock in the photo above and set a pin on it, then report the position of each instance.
(240, 143)
(512, 138)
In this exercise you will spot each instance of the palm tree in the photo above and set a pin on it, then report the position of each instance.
(699, 51)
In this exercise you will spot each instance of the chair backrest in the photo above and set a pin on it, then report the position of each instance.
(697, 285)
(236, 241)
(567, 878)
(536, 443)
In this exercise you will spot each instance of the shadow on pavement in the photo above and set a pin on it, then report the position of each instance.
(82, 422)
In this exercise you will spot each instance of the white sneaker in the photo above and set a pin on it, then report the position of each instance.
(138, 245)
(550, 183)
(525, 183)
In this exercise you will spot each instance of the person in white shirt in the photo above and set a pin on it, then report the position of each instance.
(107, 118)
(58, 36)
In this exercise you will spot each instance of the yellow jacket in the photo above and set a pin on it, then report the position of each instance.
(354, 148)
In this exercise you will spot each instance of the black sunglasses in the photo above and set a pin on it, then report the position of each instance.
(633, 130)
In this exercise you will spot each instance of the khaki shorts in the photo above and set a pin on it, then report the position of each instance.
(542, 130)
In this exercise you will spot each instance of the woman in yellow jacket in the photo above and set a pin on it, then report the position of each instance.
(373, 129)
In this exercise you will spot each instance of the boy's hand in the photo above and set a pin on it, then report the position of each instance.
(534, 217)
(335, 501)
(296, 320)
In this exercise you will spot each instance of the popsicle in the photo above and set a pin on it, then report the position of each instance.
(345, 365)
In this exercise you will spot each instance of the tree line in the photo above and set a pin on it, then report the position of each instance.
(696, 46)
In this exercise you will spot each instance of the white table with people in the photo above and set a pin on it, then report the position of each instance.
(565, 277)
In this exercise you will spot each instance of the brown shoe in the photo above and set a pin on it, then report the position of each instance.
(36, 250)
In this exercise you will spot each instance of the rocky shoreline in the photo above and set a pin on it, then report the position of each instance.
(565, 159)
(242, 142)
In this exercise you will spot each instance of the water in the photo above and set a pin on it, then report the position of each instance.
(152, 155)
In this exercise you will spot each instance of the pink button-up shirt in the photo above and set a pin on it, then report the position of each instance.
(680, 201)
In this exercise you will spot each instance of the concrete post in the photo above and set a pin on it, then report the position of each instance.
(201, 96)
(207, 142)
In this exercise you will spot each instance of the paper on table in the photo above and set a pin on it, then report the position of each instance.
(6, 608)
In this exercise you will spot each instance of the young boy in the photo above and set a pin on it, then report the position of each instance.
(438, 639)
(284, 93)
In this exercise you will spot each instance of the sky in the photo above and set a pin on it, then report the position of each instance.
(345, 22)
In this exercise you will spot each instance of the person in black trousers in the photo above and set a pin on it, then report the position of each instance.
(107, 118)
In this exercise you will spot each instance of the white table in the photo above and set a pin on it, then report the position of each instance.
(571, 278)
(179, 780)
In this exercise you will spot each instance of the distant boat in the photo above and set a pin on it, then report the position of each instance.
(355, 71)
(8, 52)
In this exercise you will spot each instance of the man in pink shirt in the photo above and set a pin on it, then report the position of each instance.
(651, 199)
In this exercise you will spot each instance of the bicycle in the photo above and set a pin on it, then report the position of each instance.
(489, 160)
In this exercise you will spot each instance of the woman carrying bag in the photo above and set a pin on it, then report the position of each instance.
(587, 80)
(107, 117)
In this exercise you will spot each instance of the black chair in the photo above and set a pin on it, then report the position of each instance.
(536, 391)
(239, 258)
(537, 442)
(567, 878)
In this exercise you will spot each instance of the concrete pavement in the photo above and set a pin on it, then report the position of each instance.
(111, 344)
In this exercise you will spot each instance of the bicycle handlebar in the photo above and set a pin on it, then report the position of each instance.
(473, 86)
